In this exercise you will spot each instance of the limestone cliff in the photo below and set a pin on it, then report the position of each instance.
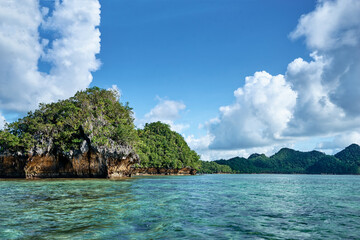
(87, 162)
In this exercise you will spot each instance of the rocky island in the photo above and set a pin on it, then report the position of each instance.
(90, 135)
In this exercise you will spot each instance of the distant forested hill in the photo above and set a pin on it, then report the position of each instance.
(291, 161)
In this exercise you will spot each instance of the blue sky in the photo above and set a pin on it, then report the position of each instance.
(197, 52)
(234, 77)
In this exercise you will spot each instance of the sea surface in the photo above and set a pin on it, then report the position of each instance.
(183, 207)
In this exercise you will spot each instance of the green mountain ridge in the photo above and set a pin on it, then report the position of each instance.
(291, 161)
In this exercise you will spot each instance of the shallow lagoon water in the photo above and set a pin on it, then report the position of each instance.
(183, 207)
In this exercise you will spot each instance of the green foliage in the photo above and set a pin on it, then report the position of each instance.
(10, 141)
(291, 161)
(328, 165)
(94, 113)
(351, 157)
(240, 165)
(162, 148)
(213, 167)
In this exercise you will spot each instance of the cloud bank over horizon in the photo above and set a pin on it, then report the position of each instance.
(315, 98)
(66, 39)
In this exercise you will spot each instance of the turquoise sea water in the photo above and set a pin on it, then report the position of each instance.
(183, 207)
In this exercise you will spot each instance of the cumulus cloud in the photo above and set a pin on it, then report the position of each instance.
(315, 113)
(262, 110)
(328, 86)
(71, 52)
(166, 111)
(19, 53)
(332, 25)
(73, 55)
(314, 98)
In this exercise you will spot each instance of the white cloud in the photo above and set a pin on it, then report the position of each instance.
(333, 29)
(262, 110)
(328, 86)
(114, 88)
(72, 55)
(166, 111)
(340, 141)
(332, 25)
(2, 121)
(315, 113)
(19, 52)
(201, 143)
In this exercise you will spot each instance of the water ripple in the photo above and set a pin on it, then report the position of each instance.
(183, 207)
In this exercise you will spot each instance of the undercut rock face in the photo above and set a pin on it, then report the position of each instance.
(87, 162)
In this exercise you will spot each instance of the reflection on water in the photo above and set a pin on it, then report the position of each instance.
(206, 206)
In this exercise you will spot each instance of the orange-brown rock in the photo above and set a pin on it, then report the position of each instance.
(12, 166)
(51, 166)
(88, 164)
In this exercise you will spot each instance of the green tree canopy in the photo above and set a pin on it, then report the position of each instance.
(213, 167)
(162, 148)
(94, 113)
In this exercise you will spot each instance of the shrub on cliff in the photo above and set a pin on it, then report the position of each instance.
(94, 115)
(162, 148)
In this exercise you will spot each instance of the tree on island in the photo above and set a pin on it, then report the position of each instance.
(95, 113)
(213, 167)
(160, 147)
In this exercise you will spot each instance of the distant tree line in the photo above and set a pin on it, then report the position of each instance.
(213, 167)
(290, 161)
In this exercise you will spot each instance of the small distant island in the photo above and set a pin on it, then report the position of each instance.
(92, 134)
